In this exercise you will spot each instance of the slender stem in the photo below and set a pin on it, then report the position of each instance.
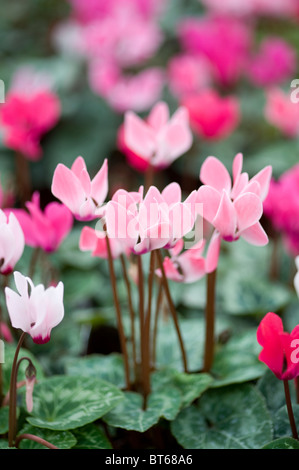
(290, 409)
(155, 331)
(34, 258)
(118, 315)
(172, 309)
(131, 310)
(32, 437)
(13, 395)
(141, 326)
(147, 325)
(23, 178)
(149, 177)
(210, 322)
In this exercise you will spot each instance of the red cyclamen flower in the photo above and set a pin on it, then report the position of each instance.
(280, 349)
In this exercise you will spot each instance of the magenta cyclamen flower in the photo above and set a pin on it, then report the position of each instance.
(35, 313)
(74, 188)
(234, 209)
(280, 348)
(12, 242)
(160, 140)
(30, 110)
(44, 229)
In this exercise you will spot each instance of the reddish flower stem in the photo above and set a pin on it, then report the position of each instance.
(172, 310)
(32, 437)
(118, 315)
(155, 331)
(147, 325)
(290, 409)
(131, 311)
(210, 322)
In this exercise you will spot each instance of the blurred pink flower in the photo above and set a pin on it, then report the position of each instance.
(274, 63)
(208, 35)
(278, 347)
(74, 188)
(136, 92)
(45, 229)
(12, 242)
(188, 74)
(282, 208)
(160, 139)
(285, 8)
(35, 313)
(282, 113)
(5, 333)
(211, 115)
(234, 210)
(31, 109)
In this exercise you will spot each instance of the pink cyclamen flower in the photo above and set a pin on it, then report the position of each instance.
(159, 140)
(95, 241)
(157, 220)
(274, 63)
(280, 348)
(211, 115)
(282, 112)
(185, 266)
(234, 209)
(44, 229)
(31, 109)
(12, 242)
(74, 188)
(35, 313)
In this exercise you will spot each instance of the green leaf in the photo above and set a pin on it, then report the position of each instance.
(67, 402)
(273, 390)
(4, 444)
(109, 368)
(281, 421)
(188, 386)
(91, 436)
(232, 417)
(4, 414)
(130, 415)
(237, 360)
(251, 296)
(61, 439)
(283, 443)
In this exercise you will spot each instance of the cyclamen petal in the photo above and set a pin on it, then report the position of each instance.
(37, 313)
(74, 188)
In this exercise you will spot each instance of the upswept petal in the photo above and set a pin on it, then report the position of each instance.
(214, 173)
(159, 115)
(67, 188)
(225, 220)
(249, 209)
(139, 137)
(99, 184)
(255, 235)
(210, 199)
(263, 177)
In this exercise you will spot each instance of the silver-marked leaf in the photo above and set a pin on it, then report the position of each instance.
(67, 402)
(130, 415)
(234, 417)
(60, 439)
(91, 436)
(109, 368)
(283, 443)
